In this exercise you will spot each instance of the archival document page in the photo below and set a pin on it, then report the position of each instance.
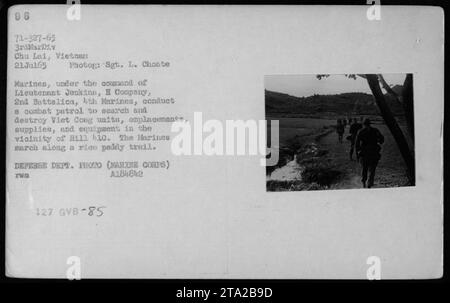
(268, 142)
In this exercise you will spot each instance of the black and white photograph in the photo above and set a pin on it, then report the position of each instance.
(344, 131)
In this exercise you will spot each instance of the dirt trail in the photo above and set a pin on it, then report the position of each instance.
(338, 153)
(390, 171)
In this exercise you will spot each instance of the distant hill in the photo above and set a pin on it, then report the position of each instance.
(340, 104)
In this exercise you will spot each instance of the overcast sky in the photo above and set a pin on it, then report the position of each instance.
(307, 85)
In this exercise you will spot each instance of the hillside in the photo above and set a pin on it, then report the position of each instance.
(340, 104)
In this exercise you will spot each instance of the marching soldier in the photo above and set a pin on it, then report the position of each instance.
(354, 128)
(368, 149)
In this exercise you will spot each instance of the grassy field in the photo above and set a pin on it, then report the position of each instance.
(302, 127)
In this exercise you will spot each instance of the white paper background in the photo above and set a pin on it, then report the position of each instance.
(211, 217)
